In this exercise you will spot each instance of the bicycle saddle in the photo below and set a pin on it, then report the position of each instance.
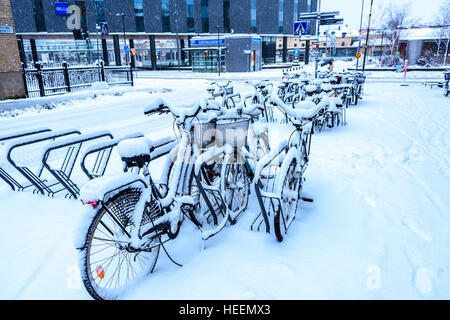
(134, 152)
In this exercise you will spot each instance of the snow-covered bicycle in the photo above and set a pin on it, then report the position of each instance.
(278, 178)
(133, 215)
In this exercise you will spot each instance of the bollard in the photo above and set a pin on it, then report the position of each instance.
(404, 84)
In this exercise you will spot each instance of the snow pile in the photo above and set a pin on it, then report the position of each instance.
(99, 86)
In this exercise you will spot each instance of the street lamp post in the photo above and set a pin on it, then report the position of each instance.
(367, 37)
(177, 37)
(124, 35)
(218, 50)
(318, 40)
(97, 27)
(360, 27)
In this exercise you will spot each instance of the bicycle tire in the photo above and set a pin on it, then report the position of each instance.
(236, 185)
(208, 175)
(287, 211)
(121, 206)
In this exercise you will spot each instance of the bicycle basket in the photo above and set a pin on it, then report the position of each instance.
(361, 78)
(447, 76)
(232, 132)
(204, 134)
(228, 90)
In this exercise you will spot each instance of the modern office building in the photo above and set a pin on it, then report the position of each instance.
(151, 27)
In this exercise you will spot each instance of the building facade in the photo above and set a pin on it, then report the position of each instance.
(11, 78)
(153, 25)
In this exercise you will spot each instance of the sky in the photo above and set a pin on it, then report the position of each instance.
(351, 9)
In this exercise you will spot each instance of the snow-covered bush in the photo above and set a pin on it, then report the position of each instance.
(391, 61)
(430, 60)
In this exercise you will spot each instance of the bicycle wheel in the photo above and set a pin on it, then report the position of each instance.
(236, 185)
(108, 264)
(281, 93)
(209, 176)
(289, 201)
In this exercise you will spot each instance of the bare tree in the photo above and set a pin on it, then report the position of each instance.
(443, 19)
(396, 19)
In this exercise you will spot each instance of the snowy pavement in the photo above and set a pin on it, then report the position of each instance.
(379, 226)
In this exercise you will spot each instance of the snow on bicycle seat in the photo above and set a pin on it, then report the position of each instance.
(310, 88)
(135, 152)
(334, 102)
(307, 109)
(326, 87)
(178, 109)
(303, 110)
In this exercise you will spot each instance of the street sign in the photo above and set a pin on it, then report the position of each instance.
(306, 16)
(329, 14)
(126, 49)
(296, 52)
(315, 15)
(358, 55)
(62, 8)
(104, 28)
(207, 42)
(133, 52)
(6, 29)
(326, 22)
(302, 28)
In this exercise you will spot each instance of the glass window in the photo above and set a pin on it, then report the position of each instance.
(190, 15)
(100, 11)
(253, 15)
(280, 16)
(308, 6)
(204, 60)
(295, 10)
(39, 16)
(165, 15)
(139, 15)
(226, 16)
(205, 16)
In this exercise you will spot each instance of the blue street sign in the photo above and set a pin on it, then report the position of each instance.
(61, 8)
(126, 49)
(247, 47)
(206, 42)
(159, 53)
(296, 52)
(104, 28)
(302, 28)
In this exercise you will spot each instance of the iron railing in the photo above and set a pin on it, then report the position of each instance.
(40, 82)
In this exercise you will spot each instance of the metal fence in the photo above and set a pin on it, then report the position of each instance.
(40, 82)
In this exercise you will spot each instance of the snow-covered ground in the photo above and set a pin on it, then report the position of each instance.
(379, 226)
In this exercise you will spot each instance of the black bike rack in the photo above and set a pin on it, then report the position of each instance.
(63, 173)
(15, 135)
(102, 151)
(35, 178)
(216, 208)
